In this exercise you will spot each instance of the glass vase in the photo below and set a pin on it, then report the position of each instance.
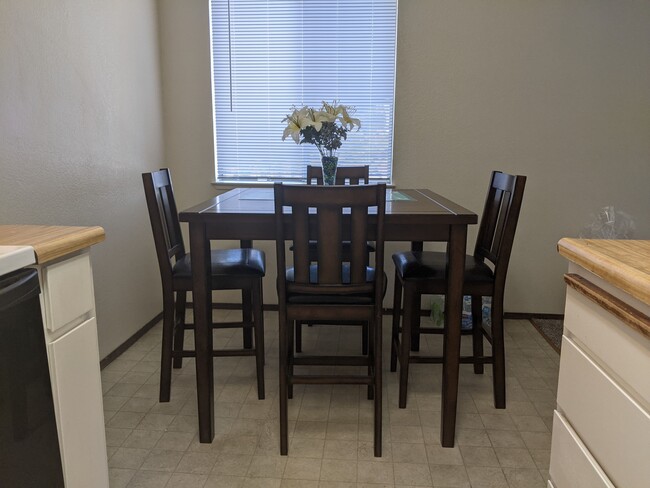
(329, 169)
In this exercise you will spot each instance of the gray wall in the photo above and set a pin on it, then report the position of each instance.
(556, 90)
(80, 119)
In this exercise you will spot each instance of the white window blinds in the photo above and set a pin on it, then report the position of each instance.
(269, 55)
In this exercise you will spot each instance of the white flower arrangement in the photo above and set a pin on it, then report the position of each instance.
(325, 128)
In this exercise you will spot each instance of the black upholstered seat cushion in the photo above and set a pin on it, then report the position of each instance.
(430, 265)
(346, 247)
(348, 299)
(227, 262)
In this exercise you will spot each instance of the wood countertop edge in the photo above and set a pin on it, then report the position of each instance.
(627, 278)
(53, 242)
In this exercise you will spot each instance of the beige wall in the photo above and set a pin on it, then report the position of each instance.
(556, 90)
(80, 119)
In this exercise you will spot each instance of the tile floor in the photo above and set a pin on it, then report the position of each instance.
(155, 445)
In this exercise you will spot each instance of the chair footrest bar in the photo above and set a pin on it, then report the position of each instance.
(217, 353)
(330, 361)
(330, 380)
(225, 325)
(439, 360)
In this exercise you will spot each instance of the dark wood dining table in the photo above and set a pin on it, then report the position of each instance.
(247, 214)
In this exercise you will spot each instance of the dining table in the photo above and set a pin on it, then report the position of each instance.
(247, 214)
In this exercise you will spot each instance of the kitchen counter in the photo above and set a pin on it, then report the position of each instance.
(601, 426)
(625, 264)
(50, 242)
(61, 256)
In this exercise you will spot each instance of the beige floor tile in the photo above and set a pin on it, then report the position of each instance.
(231, 464)
(119, 478)
(149, 479)
(152, 444)
(125, 420)
(409, 453)
(412, 474)
(267, 466)
(143, 439)
(162, 460)
(128, 458)
(221, 481)
(449, 475)
(306, 447)
(175, 441)
(338, 470)
(524, 478)
(197, 462)
(437, 454)
(486, 477)
(302, 468)
(371, 472)
(479, 456)
(336, 449)
(514, 457)
(185, 480)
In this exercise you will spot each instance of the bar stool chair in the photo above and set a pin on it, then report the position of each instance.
(231, 269)
(345, 175)
(332, 288)
(423, 272)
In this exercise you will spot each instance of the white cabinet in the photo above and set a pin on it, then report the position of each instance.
(601, 426)
(68, 305)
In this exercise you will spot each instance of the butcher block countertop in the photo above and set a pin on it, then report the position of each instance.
(623, 263)
(50, 241)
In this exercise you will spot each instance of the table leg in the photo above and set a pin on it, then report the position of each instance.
(202, 298)
(417, 246)
(453, 317)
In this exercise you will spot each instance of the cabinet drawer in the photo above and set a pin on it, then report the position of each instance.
(625, 351)
(572, 466)
(77, 391)
(614, 427)
(68, 292)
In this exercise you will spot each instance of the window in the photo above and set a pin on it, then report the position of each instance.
(269, 55)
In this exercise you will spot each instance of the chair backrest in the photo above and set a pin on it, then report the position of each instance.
(352, 175)
(163, 216)
(330, 215)
(499, 221)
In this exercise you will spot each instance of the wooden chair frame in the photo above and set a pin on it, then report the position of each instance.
(345, 175)
(317, 213)
(169, 245)
(494, 245)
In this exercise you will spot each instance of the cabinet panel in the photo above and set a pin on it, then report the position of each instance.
(615, 428)
(624, 350)
(76, 383)
(572, 466)
(68, 291)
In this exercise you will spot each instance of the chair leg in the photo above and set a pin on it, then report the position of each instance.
(372, 349)
(298, 336)
(498, 354)
(477, 332)
(290, 355)
(364, 338)
(247, 317)
(167, 345)
(179, 329)
(377, 327)
(410, 297)
(283, 386)
(258, 324)
(397, 313)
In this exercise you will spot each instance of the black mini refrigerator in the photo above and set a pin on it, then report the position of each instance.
(29, 445)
